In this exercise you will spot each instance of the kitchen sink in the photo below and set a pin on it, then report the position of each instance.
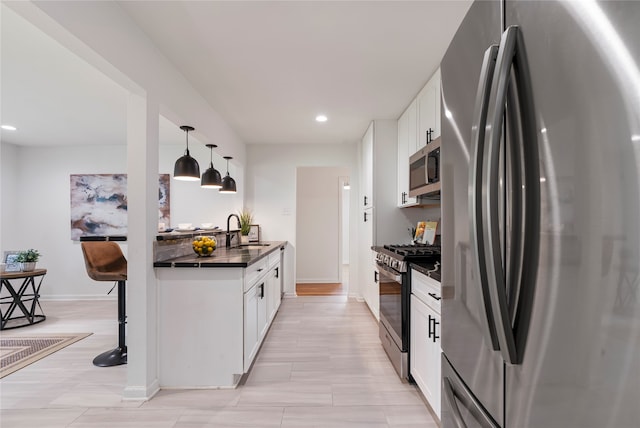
(252, 246)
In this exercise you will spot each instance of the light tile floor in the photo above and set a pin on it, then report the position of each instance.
(321, 365)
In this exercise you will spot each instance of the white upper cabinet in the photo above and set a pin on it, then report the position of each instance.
(407, 126)
(418, 126)
(366, 198)
(428, 103)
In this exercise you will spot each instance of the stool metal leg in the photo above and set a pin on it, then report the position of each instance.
(117, 356)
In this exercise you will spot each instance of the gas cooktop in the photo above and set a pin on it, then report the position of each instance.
(398, 257)
(414, 251)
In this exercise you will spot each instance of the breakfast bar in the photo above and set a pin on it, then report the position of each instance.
(214, 311)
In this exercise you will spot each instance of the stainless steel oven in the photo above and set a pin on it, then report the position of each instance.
(392, 267)
(394, 334)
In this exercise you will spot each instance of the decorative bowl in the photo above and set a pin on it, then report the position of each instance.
(203, 246)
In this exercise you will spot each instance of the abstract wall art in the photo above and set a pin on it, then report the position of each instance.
(99, 204)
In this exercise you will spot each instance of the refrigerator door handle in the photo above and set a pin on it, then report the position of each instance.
(451, 399)
(476, 216)
(522, 277)
(491, 195)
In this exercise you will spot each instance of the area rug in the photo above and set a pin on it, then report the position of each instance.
(17, 352)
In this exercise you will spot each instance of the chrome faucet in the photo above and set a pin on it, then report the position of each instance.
(229, 237)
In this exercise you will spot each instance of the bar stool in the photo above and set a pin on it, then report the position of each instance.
(105, 262)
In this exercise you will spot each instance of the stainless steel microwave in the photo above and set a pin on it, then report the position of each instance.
(424, 170)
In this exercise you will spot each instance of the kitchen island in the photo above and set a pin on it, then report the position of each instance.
(214, 312)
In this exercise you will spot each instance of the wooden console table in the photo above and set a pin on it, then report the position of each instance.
(25, 297)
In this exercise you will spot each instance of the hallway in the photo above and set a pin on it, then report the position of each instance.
(321, 365)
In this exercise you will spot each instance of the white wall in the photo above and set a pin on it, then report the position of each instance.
(318, 224)
(345, 214)
(36, 205)
(271, 193)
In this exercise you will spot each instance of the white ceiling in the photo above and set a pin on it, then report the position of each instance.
(267, 67)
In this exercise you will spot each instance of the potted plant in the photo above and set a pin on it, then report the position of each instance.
(246, 218)
(28, 258)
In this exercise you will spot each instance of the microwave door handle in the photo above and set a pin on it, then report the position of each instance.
(475, 195)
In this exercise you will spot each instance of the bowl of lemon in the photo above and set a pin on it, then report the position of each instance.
(204, 245)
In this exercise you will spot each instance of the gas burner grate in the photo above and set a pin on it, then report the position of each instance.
(414, 250)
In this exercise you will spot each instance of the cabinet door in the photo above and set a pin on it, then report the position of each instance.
(426, 114)
(418, 343)
(435, 361)
(261, 296)
(250, 326)
(366, 260)
(273, 292)
(437, 91)
(406, 143)
(372, 295)
(429, 111)
(412, 129)
(425, 351)
(367, 168)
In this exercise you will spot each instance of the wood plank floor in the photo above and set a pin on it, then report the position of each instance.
(321, 289)
(321, 365)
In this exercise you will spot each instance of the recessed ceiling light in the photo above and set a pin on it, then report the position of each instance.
(321, 118)
(8, 127)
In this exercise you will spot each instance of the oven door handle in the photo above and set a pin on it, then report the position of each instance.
(389, 273)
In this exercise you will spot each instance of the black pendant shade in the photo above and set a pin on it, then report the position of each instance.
(211, 178)
(228, 183)
(186, 168)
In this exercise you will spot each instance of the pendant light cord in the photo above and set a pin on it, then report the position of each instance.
(187, 151)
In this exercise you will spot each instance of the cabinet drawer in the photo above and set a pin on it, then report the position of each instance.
(254, 272)
(426, 289)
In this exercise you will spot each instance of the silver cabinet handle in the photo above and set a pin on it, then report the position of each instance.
(476, 216)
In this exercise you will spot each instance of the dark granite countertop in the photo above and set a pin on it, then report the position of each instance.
(175, 234)
(239, 256)
(426, 269)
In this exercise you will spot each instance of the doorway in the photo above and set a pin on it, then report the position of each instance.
(322, 231)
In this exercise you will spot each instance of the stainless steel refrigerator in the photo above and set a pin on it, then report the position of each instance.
(540, 165)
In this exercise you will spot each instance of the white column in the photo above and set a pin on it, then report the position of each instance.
(142, 206)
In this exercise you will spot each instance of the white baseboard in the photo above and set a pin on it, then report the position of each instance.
(356, 296)
(318, 281)
(141, 393)
(289, 296)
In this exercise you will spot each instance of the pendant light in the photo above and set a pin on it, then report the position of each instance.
(186, 168)
(211, 178)
(228, 183)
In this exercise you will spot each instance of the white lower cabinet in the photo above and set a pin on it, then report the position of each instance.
(250, 326)
(261, 293)
(274, 291)
(424, 345)
(224, 313)
(261, 302)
